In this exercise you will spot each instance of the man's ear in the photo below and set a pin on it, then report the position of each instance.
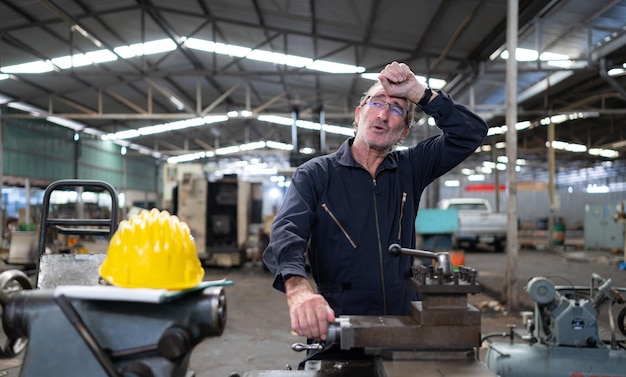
(357, 114)
(406, 131)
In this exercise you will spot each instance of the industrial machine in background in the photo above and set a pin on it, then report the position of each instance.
(601, 228)
(440, 337)
(563, 337)
(219, 215)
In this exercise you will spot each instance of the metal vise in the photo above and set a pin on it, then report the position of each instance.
(69, 335)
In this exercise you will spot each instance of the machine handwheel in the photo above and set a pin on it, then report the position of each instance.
(10, 283)
(621, 321)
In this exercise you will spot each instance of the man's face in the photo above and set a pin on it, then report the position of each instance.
(381, 120)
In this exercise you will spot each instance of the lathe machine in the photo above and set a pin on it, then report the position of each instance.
(441, 337)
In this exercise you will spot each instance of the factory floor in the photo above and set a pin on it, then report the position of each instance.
(257, 334)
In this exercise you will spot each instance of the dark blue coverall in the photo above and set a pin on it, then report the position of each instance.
(346, 220)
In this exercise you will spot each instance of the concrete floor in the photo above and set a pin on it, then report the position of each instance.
(257, 334)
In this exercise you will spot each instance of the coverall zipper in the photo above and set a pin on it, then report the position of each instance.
(404, 194)
(380, 250)
(338, 224)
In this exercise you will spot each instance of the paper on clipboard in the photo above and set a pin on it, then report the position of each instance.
(147, 295)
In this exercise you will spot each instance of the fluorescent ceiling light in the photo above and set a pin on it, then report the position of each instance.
(556, 119)
(66, 123)
(498, 130)
(167, 44)
(35, 111)
(560, 118)
(476, 177)
(272, 57)
(331, 67)
(252, 146)
(237, 114)
(189, 157)
(597, 189)
(148, 48)
(219, 48)
(92, 57)
(230, 150)
(165, 127)
(285, 121)
(4, 76)
(39, 66)
(81, 60)
(608, 153)
(78, 127)
(4, 99)
(433, 83)
(278, 145)
(570, 147)
(527, 55)
(275, 57)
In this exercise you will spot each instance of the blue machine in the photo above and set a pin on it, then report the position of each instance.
(563, 334)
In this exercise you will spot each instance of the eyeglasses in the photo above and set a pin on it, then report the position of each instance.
(379, 103)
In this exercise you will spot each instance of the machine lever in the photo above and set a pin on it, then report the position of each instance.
(299, 347)
(72, 315)
(442, 258)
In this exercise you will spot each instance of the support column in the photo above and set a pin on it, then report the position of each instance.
(512, 270)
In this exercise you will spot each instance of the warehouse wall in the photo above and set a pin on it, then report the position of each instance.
(39, 150)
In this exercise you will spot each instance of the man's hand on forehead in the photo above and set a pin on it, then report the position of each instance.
(399, 81)
(396, 72)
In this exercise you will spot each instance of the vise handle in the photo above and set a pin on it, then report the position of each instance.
(443, 258)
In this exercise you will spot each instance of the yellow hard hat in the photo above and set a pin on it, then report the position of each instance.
(152, 250)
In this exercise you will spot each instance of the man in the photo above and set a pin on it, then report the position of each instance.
(346, 208)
